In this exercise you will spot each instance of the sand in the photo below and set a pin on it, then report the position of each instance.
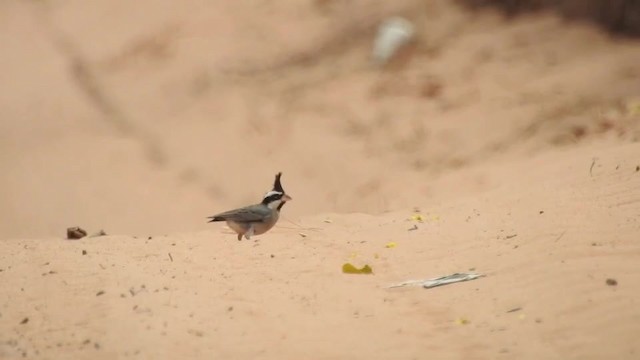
(515, 140)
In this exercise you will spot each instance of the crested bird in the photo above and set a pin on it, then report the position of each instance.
(258, 218)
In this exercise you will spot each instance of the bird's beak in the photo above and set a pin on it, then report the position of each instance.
(287, 197)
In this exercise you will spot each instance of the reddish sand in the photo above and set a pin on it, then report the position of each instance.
(517, 141)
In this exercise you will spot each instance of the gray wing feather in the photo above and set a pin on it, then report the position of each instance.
(250, 213)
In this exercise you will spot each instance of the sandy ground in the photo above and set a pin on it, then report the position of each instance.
(517, 142)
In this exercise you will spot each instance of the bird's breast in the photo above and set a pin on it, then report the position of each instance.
(262, 227)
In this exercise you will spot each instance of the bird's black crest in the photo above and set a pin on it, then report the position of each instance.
(277, 186)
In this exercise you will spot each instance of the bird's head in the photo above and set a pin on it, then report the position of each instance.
(276, 197)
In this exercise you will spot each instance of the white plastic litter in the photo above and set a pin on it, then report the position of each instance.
(393, 33)
(444, 280)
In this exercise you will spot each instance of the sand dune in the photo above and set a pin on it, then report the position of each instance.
(516, 140)
(547, 245)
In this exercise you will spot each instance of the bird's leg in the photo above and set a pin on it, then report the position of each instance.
(249, 233)
(239, 236)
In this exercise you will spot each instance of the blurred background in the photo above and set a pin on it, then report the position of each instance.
(145, 117)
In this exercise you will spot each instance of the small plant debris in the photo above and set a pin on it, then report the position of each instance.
(101, 292)
(612, 282)
(24, 321)
(593, 163)
(197, 333)
(99, 233)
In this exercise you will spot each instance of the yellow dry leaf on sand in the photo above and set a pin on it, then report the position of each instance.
(348, 268)
(391, 245)
(633, 107)
(417, 217)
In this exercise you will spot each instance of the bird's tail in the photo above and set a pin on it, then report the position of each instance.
(215, 218)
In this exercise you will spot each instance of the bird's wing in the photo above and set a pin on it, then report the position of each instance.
(250, 213)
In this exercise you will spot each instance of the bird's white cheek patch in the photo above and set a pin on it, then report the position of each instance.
(274, 204)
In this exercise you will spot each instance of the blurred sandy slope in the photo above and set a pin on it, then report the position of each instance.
(144, 117)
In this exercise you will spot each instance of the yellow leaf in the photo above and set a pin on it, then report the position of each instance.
(390, 245)
(417, 217)
(462, 321)
(633, 107)
(348, 268)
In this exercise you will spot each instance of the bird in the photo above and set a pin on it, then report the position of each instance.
(258, 218)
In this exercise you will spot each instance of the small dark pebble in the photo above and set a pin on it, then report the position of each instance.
(150, 237)
(74, 233)
(541, 212)
(84, 252)
(272, 256)
(97, 346)
(637, 168)
(87, 341)
(24, 321)
(230, 308)
(100, 293)
(612, 282)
